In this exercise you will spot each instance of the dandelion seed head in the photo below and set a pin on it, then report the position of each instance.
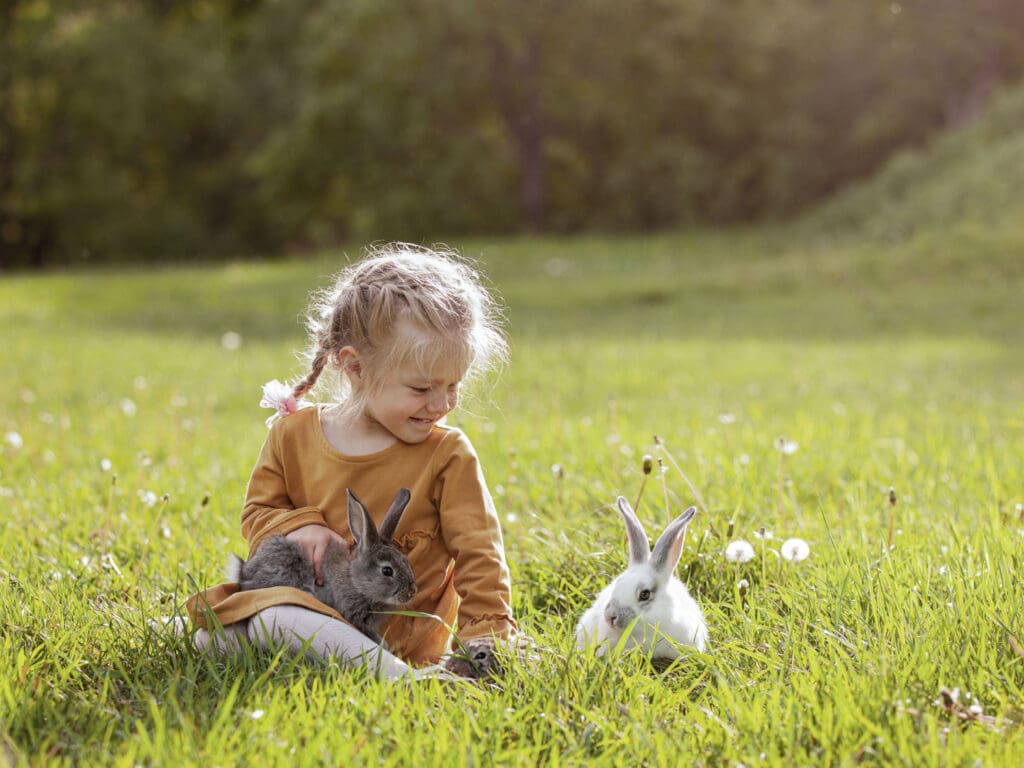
(148, 498)
(739, 551)
(789, 447)
(128, 407)
(648, 464)
(14, 440)
(795, 550)
(763, 534)
(106, 465)
(726, 418)
(139, 382)
(231, 341)
(28, 396)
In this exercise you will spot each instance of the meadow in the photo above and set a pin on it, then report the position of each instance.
(791, 382)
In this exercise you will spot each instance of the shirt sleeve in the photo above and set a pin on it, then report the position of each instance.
(268, 508)
(472, 534)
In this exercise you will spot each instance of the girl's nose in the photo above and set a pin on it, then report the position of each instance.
(439, 402)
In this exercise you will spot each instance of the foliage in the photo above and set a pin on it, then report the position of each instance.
(188, 130)
(840, 659)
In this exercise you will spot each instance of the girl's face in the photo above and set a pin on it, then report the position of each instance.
(409, 400)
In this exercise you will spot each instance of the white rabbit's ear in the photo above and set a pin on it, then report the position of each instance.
(639, 548)
(394, 513)
(360, 522)
(670, 544)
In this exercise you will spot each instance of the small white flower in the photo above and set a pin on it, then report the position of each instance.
(148, 498)
(256, 714)
(739, 551)
(128, 407)
(787, 447)
(795, 550)
(726, 418)
(106, 465)
(231, 341)
(744, 459)
(510, 517)
(14, 440)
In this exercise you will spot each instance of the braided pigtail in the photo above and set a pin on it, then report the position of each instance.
(316, 368)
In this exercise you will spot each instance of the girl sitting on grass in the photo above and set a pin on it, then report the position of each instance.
(398, 334)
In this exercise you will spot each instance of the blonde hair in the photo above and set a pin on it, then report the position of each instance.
(435, 291)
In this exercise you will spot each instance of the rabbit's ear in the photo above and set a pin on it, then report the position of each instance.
(394, 513)
(639, 549)
(360, 522)
(670, 544)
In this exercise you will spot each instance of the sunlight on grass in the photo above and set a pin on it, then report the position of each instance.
(120, 390)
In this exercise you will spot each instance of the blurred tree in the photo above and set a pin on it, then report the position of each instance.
(202, 127)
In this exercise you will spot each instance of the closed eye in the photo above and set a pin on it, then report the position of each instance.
(420, 390)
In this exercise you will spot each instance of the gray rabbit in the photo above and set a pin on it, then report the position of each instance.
(375, 576)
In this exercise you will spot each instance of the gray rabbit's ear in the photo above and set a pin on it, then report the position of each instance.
(394, 513)
(360, 522)
(639, 549)
(670, 544)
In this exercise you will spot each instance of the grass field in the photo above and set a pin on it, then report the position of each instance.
(131, 423)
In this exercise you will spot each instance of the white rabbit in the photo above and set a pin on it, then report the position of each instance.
(665, 614)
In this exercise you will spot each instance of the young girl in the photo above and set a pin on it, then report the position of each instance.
(397, 335)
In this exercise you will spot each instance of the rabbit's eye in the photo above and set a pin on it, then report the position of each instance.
(387, 570)
(645, 594)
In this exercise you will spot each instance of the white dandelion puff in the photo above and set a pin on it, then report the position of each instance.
(726, 418)
(231, 341)
(795, 550)
(106, 465)
(128, 407)
(763, 534)
(739, 551)
(787, 447)
(148, 498)
(14, 440)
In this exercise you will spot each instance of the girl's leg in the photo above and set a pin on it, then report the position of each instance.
(230, 637)
(322, 637)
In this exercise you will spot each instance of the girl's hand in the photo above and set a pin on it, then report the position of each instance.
(313, 541)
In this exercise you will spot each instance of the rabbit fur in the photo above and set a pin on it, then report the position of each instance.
(373, 576)
(648, 596)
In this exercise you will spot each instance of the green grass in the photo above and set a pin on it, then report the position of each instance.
(888, 366)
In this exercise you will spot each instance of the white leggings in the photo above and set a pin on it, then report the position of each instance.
(316, 635)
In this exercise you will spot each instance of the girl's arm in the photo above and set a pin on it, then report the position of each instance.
(472, 533)
(268, 509)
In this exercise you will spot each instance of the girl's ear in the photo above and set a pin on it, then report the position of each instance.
(350, 362)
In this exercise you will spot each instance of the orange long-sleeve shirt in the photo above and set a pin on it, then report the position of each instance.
(449, 531)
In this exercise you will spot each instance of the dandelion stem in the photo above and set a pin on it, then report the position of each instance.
(892, 517)
(676, 467)
(110, 502)
(647, 465)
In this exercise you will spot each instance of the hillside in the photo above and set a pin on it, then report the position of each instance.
(968, 182)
